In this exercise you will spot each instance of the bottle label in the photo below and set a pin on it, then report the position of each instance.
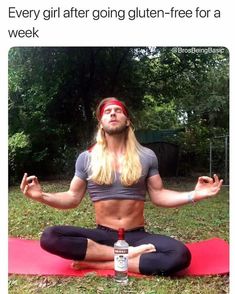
(121, 260)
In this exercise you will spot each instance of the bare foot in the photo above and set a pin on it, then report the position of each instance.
(75, 265)
(134, 253)
(141, 249)
(81, 264)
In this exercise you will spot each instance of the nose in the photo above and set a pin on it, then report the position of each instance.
(113, 112)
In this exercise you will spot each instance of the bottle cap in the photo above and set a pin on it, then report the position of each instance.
(121, 233)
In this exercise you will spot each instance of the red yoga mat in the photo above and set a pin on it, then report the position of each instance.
(209, 257)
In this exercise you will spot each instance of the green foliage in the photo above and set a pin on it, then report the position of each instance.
(157, 116)
(187, 91)
(53, 93)
(19, 149)
(17, 142)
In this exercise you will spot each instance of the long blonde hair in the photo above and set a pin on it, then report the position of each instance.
(101, 162)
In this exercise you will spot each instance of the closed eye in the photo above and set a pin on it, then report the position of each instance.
(116, 110)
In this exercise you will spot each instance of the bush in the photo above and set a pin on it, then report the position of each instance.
(19, 147)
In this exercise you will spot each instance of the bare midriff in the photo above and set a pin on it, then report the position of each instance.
(115, 214)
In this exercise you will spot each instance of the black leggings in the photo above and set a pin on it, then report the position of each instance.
(71, 243)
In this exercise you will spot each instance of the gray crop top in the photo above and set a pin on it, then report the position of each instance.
(137, 191)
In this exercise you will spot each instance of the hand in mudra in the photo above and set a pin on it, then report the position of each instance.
(207, 187)
(30, 187)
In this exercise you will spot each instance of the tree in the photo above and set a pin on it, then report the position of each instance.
(53, 93)
(190, 91)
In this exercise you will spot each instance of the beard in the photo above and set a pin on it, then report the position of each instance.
(115, 130)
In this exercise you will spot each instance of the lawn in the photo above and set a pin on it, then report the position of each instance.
(204, 220)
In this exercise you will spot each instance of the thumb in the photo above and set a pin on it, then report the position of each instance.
(200, 180)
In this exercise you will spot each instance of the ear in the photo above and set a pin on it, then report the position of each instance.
(128, 123)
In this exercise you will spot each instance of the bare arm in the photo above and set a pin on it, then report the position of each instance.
(206, 187)
(31, 188)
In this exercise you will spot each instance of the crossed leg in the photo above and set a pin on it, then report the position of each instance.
(152, 255)
(149, 254)
(101, 256)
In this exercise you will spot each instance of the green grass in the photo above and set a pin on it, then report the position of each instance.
(204, 220)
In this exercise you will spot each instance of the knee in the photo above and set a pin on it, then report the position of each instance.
(49, 238)
(179, 260)
(183, 257)
(165, 263)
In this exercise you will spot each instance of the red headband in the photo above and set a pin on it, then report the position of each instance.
(113, 102)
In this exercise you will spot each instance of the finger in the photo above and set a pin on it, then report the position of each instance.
(30, 179)
(216, 178)
(36, 181)
(218, 183)
(205, 179)
(25, 189)
(217, 188)
(221, 183)
(23, 182)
